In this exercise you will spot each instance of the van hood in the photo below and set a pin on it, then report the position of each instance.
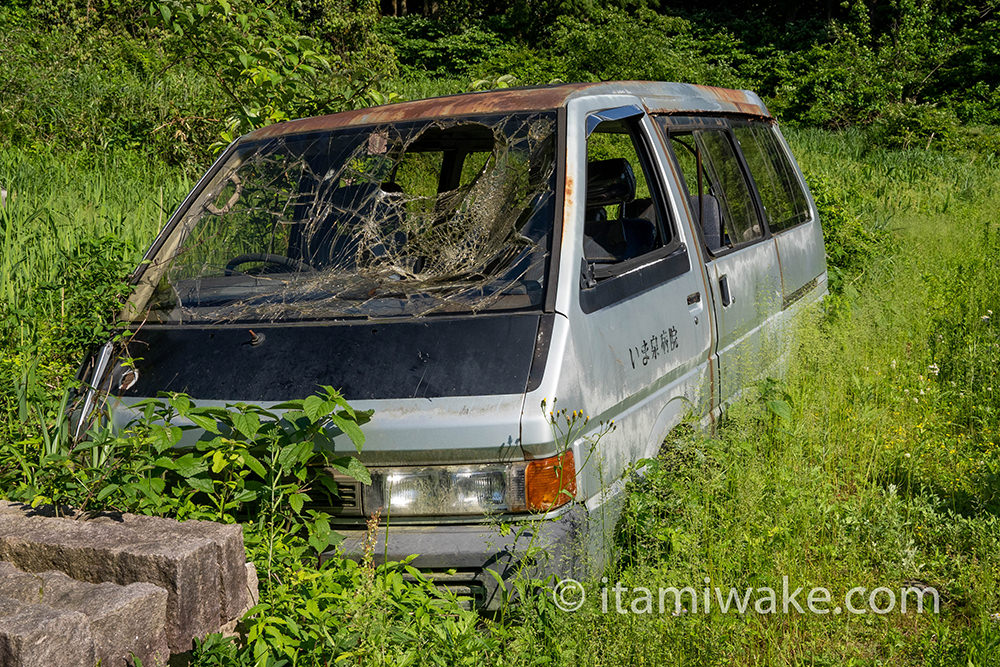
(479, 355)
(443, 390)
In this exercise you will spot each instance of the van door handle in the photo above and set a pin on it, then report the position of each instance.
(727, 297)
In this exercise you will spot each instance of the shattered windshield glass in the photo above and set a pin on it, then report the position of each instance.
(444, 216)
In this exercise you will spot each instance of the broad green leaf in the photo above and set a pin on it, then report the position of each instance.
(315, 408)
(207, 423)
(219, 462)
(201, 484)
(246, 423)
(189, 465)
(256, 466)
(350, 428)
(780, 409)
(165, 462)
(352, 467)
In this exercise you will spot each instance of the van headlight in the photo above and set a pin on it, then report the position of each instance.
(472, 489)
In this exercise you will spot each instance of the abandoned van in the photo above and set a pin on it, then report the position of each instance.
(465, 265)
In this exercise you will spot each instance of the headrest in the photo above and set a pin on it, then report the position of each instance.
(610, 182)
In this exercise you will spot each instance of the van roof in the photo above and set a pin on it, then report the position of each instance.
(659, 97)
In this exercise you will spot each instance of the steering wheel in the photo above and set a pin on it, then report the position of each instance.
(267, 258)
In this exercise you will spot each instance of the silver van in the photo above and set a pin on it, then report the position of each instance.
(499, 276)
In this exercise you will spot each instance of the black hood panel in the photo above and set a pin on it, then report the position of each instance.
(425, 358)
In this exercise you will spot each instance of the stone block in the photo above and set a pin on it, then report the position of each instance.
(185, 566)
(34, 635)
(124, 620)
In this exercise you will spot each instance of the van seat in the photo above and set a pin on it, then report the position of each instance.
(711, 219)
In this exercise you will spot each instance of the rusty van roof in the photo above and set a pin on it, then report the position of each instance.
(658, 97)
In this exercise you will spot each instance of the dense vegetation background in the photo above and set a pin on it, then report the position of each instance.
(873, 463)
(169, 77)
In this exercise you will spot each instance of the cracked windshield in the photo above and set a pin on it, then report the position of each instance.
(404, 219)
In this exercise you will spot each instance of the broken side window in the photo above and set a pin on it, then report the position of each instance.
(404, 219)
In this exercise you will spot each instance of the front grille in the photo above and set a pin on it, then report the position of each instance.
(349, 497)
(462, 583)
(347, 501)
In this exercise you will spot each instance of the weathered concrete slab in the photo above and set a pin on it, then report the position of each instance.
(236, 592)
(33, 635)
(124, 620)
(185, 566)
(230, 555)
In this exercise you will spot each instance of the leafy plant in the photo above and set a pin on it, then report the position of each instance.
(267, 75)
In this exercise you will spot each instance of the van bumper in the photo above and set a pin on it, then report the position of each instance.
(457, 556)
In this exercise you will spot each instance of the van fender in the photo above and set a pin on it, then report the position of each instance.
(673, 412)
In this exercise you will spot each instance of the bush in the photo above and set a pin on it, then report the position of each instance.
(915, 126)
(851, 243)
(647, 45)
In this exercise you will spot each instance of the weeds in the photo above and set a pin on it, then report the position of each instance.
(873, 462)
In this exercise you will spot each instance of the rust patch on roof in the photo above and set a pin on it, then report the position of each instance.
(659, 97)
(734, 98)
(494, 101)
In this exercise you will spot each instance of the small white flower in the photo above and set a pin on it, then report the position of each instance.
(989, 312)
(921, 392)
(989, 389)
(906, 455)
(985, 318)
(915, 400)
(933, 369)
(906, 391)
(893, 364)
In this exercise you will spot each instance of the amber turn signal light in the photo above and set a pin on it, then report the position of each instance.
(550, 482)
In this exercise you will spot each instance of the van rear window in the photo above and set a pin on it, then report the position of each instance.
(785, 202)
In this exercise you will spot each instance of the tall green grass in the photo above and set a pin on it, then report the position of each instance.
(55, 202)
(884, 472)
(72, 227)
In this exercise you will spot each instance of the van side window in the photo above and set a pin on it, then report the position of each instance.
(785, 203)
(622, 218)
(719, 194)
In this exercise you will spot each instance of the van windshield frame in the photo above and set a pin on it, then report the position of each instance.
(440, 216)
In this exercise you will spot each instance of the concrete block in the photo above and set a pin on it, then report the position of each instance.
(124, 620)
(34, 635)
(230, 556)
(96, 552)
(235, 593)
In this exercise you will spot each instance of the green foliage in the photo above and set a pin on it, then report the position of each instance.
(266, 70)
(426, 47)
(612, 44)
(71, 230)
(920, 125)
(851, 242)
(362, 613)
(100, 90)
(248, 462)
